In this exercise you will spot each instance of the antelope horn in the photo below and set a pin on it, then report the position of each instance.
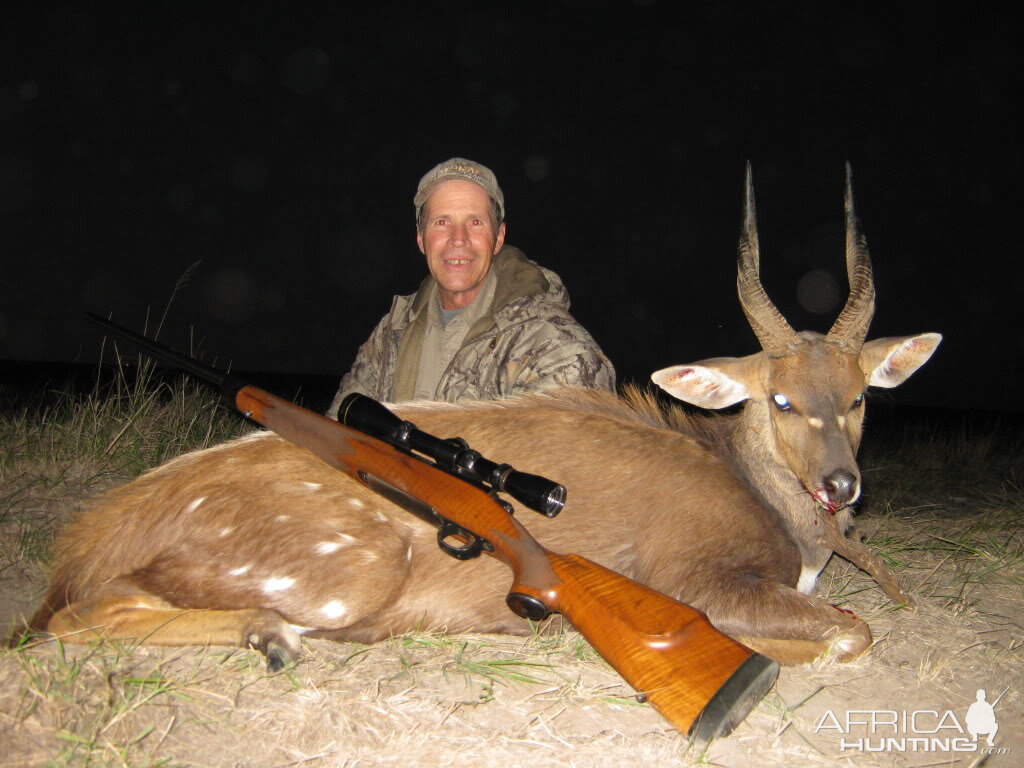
(851, 327)
(777, 337)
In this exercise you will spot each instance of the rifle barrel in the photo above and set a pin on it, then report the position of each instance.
(225, 382)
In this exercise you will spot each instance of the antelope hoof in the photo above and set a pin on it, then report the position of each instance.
(852, 644)
(275, 639)
(278, 657)
(279, 649)
(842, 648)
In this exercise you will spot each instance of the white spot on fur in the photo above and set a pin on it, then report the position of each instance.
(327, 547)
(195, 504)
(808, 580)
(313, 486)
(408, 554)
(334, 609)
(380, 517)
(842, 421)
(240, 570)
(278, 584)
(299, 629)
(225, 531)
(815, 422)
(282, 518)
(357, 503)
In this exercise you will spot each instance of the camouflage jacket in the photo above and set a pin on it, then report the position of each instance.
(527, 341)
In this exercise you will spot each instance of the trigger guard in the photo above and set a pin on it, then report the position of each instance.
(467, 551)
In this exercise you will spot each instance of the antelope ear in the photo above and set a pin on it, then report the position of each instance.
(715, 383)
(889, 362)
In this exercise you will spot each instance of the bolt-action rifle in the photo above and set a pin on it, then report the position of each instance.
(700, 680)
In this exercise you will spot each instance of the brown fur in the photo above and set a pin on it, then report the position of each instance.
(652, 493)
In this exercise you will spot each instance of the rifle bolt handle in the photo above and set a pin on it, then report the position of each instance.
(527, 606)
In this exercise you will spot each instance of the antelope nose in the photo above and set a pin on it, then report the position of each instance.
(841, 487)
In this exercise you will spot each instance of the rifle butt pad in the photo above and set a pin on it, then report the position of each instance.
(701, 680)
(734, 700)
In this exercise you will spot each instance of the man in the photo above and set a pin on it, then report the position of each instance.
(486, 323)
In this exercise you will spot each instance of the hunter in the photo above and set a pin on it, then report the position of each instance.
(486, 322)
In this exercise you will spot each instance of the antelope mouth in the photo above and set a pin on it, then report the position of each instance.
(821, 498)
(835, 493)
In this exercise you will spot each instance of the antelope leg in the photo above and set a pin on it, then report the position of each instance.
(787, 625)
(858, 553)
(149, 619)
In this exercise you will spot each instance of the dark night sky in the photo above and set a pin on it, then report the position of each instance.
(279, 146)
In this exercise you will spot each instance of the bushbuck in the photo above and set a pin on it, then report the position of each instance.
(257, 542)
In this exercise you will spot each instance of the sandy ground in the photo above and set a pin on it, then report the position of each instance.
(502, 701)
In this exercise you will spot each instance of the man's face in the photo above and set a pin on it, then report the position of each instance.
(458, 237)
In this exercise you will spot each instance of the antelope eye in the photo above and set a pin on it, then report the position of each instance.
(858, 401)
(781, 402)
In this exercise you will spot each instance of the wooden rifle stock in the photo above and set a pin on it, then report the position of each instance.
(700, 680)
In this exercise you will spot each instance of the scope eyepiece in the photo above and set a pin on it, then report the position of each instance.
(536, 492)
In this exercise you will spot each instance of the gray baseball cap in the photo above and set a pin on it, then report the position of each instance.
(459, 168)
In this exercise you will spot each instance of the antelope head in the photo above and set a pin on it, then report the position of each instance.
(804, 391)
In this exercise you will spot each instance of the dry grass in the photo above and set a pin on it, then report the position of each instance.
(52, 456)
(479, 700)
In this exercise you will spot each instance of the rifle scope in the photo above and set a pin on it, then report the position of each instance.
(454, 454)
